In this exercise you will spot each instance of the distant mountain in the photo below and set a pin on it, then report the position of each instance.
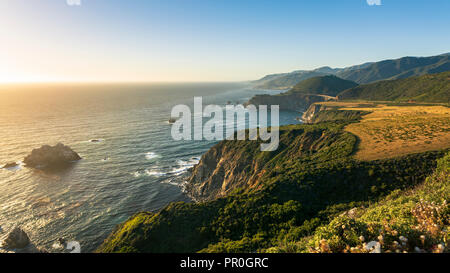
(363, 73)
(426, 88)
(285, 80)
(329, 85)
(327, 70)
(397, 69)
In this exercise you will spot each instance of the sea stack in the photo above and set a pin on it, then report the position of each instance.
(17, 238)
(47, 156)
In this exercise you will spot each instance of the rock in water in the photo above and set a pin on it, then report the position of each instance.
(17, 239)
(51, 157)
(10, 165)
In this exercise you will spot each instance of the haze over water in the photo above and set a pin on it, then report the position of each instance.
(134, 166)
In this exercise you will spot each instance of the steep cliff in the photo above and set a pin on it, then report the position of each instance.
(313, 109)
(323, 113)
(233, 165)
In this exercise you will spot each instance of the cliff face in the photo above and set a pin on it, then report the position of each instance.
(233, 165)
(291, 102)
(223, 169)
(322, 113)
(309, 114)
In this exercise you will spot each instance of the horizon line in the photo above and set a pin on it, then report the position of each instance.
(114, 82)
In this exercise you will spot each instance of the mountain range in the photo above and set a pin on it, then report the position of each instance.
(364, 73)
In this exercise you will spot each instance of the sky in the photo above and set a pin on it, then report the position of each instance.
(209, 40)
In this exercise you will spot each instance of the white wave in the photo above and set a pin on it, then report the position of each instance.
(191, 162)
(19, 166)
(96, 140)
(179, 171)
(170, 182)
(182, 167)
(151, 155)
(155, 173)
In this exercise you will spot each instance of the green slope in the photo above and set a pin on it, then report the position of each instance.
(416, 220)
(322, 85)
(426, 88)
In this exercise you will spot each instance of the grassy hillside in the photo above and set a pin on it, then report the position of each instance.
(388, 130)
(427, 88)
(312, 179)
(323, 85)
(416, 220)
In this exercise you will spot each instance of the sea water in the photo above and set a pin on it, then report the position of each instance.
(130, 162)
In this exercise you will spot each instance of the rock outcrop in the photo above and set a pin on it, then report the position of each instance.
(224, 168)
(51, 157)
(17, 241)
(17, 238)
(309, 114)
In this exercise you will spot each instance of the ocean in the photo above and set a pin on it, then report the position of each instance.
(130, 162)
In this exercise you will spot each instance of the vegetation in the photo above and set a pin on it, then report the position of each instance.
(427, 88)
(338, 115)
(297, 195)
(416, 220)
(324, 85)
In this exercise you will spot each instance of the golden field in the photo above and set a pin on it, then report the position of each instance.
(390, 131)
